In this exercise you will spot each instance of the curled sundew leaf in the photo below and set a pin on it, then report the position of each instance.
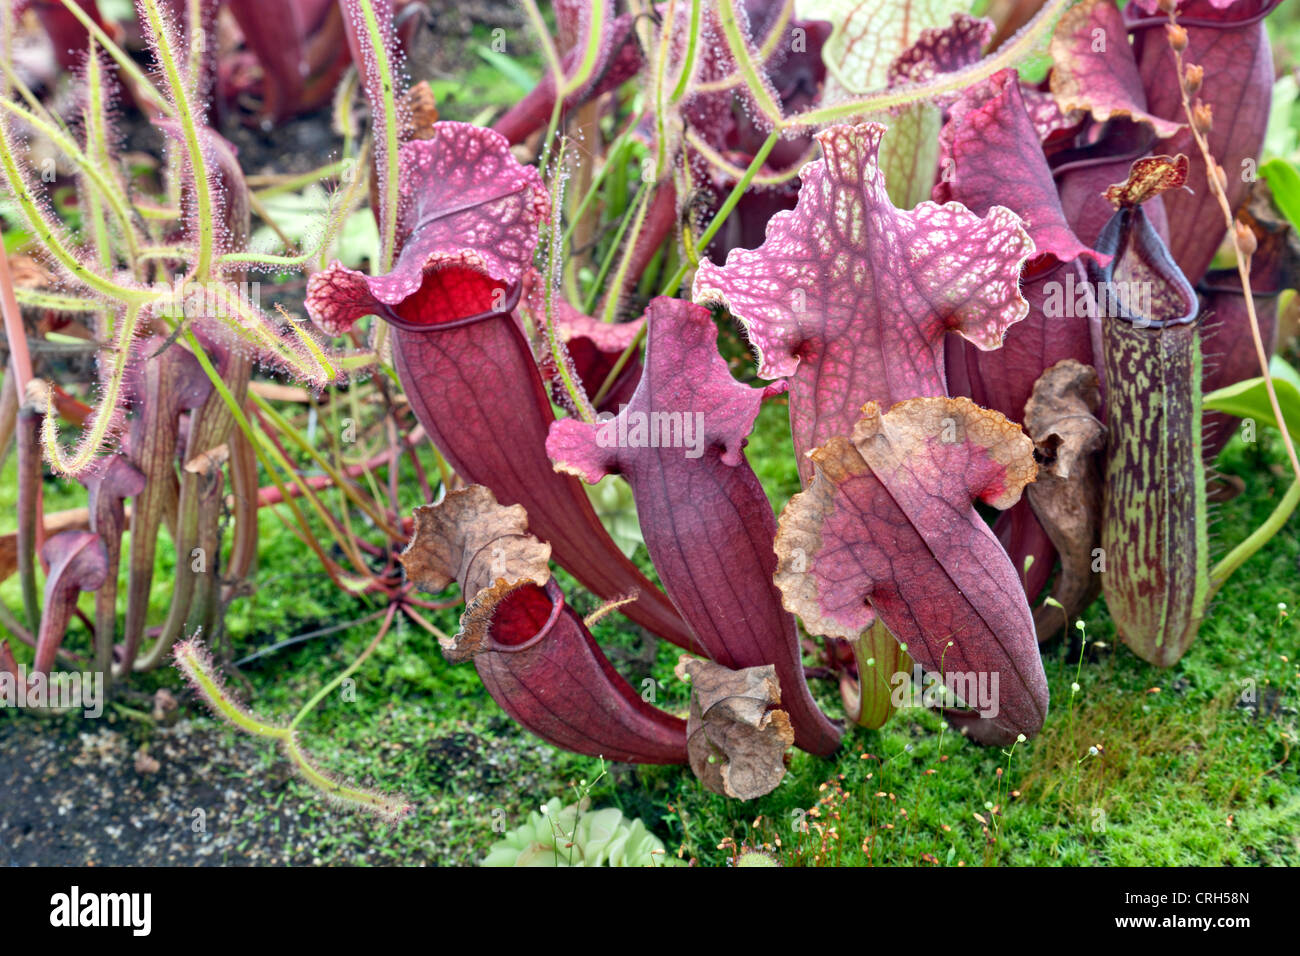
(469, 226)
(1061, 419)
(105, 424)
(196, 665)
(532, 651)
(1228, 41)
(1093, 67)
(850, 298)
(736, 735)
(888, 529)
(78, 562)
(1154, 537)
(706, 522)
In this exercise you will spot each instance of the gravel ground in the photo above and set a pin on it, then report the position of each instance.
(117, 792)
(93, 798)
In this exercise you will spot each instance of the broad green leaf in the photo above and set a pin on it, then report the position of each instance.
(1282, 138)
(1284, 181)
(1249, 399)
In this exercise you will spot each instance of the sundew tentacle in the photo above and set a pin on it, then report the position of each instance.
(162, 40)
(107, 417)
(51, 233)
(195, 663)
(297, 352)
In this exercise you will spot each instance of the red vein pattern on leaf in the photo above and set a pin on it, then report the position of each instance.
(1093, 68)
(851, 298)
(545, 669)
(942, 50)
(992, 156)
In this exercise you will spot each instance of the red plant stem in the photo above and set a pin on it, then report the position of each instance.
(420, 475)
(31, 530)
(418, 618)
(271, 495)
(15, 332)
(395, 453)
(371, 549)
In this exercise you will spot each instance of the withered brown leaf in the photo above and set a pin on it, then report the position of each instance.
(735, 735)
(1060, 417)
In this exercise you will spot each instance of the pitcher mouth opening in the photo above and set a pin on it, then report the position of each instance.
(1163, 297)
(525, 616)
(494, 298)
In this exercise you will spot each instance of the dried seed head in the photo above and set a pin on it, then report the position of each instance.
(1245, 237)
(1177, 37)
(1168, 6)
(1220, 176)
(1192, 78)
(1202, 117)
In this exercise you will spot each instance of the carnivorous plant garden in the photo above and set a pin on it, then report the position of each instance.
(737, 432)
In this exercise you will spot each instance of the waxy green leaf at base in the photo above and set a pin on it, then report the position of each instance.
(1249, 399)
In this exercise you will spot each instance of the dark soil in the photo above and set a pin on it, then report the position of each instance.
(78, 797)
